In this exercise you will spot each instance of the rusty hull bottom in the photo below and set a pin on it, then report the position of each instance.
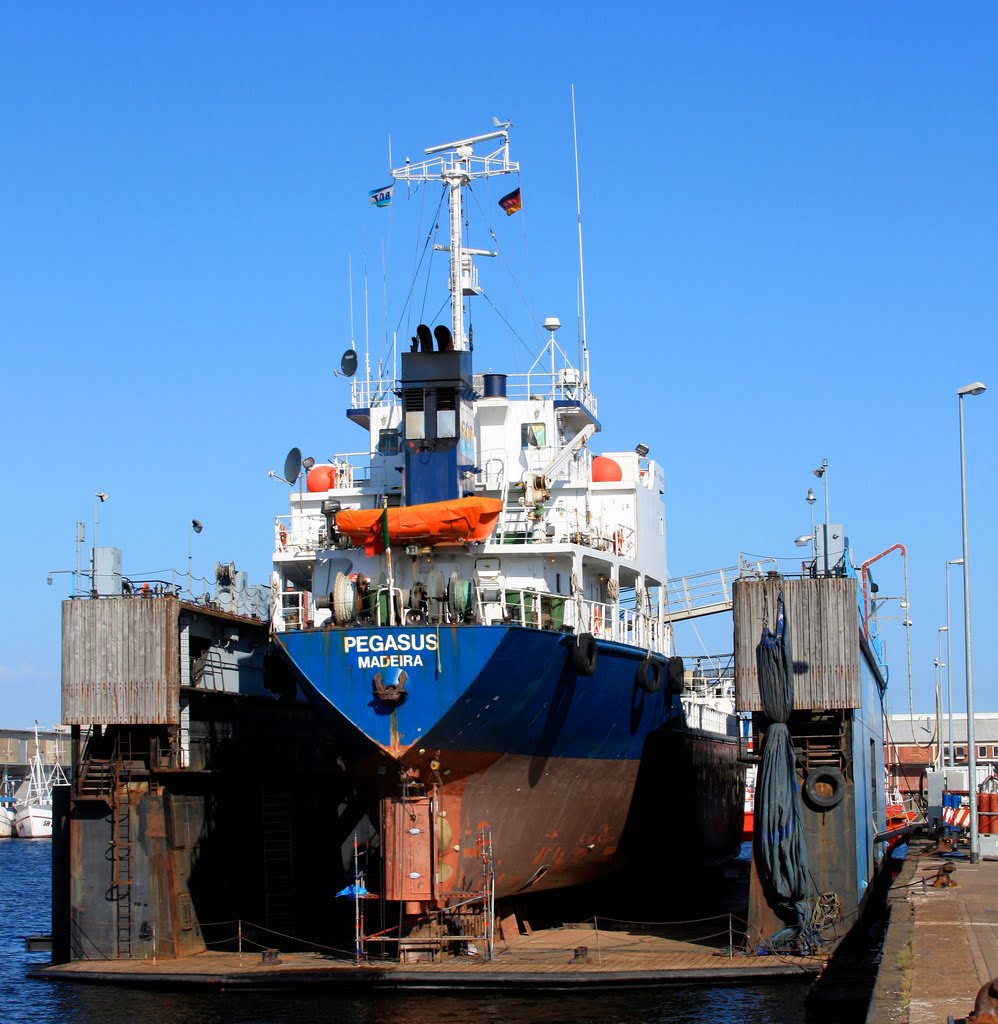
(564, 822)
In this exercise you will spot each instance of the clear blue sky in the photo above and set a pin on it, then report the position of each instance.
(790, 226)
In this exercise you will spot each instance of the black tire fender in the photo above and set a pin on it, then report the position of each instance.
(650, 675)
(824, 787)
(677, 675)
(583, 654)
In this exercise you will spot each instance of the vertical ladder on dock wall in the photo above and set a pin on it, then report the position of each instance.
(121, 852)
(278, 862)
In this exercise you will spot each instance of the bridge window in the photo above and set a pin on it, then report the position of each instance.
(532, 435)
(388, 442)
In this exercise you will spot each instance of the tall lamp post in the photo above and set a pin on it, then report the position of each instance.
(949, 662)
(976, 388)
(822, 474)
(195, 527)
(942, 665)
(99, 498)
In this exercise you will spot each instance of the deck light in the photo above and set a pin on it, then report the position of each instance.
(195, 527)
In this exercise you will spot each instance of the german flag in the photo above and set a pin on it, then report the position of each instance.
(511, 203)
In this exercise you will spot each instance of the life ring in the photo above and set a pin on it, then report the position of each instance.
(824, 787)
(283, 535)
(649, 675)
(584, 654)
(597, 617)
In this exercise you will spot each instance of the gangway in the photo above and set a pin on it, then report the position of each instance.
(709, 593)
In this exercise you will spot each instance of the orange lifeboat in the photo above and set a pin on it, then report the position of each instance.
(439, 522)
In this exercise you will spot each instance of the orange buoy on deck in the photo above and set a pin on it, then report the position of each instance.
(321, 478)
(606, 471)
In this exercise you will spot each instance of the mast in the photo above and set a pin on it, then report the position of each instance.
(456, 178)
(457, 165)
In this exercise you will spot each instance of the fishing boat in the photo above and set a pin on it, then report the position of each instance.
(477, 604)
(33, 816)
(8, 804)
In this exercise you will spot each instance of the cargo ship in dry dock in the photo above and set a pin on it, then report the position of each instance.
(477, 606)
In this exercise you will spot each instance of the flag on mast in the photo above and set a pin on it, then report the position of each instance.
(381, 196)
(511, 203)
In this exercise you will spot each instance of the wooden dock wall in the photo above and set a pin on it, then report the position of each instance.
(121, 661)
(823, 618)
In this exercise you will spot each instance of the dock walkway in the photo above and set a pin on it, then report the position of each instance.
(569, 957)
(941, 944)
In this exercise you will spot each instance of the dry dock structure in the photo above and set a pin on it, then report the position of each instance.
(207, 793)
(577, 956)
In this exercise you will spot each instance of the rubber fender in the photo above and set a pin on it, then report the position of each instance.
(824, 777)
(650, 675)
(584, 654)
(677, 675)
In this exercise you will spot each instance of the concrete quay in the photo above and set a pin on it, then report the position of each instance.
(941, 944)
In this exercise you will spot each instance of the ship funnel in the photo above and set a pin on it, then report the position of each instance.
(445, 340)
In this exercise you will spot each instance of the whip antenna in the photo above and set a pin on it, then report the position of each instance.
(582, 272)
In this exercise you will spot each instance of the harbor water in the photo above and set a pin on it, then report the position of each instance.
(25, 891)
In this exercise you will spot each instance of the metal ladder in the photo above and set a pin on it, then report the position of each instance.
(278, 862)
(121, 851)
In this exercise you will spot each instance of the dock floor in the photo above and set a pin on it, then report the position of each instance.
(941, 944)
(547, 959)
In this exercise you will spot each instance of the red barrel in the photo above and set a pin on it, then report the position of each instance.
(984, 813)
(993, 808)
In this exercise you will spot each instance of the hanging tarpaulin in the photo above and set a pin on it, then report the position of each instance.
(779, 848)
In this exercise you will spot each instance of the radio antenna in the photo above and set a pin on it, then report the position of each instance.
(582, 273)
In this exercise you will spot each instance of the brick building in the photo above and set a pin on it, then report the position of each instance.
(916, 743)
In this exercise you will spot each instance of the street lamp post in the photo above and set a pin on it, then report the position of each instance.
(949, 662)
(822, 474)
(943, 665)
(937, 760)
(195, 527)
(976, 388)
(99, 498)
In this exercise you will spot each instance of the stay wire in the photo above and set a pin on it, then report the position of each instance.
(422, 256)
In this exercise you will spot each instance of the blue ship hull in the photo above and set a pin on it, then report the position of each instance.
(448, 730)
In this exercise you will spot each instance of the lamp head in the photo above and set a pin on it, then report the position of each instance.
(103, 495)
(196, 525)
(811, 499)
(49, 581)
(803, 540)
(976, 388)
(642, 450)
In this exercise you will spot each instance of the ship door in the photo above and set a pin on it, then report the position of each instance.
(409, 849)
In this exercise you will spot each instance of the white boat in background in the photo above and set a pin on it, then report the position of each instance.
(7, 806)
(33, 816)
